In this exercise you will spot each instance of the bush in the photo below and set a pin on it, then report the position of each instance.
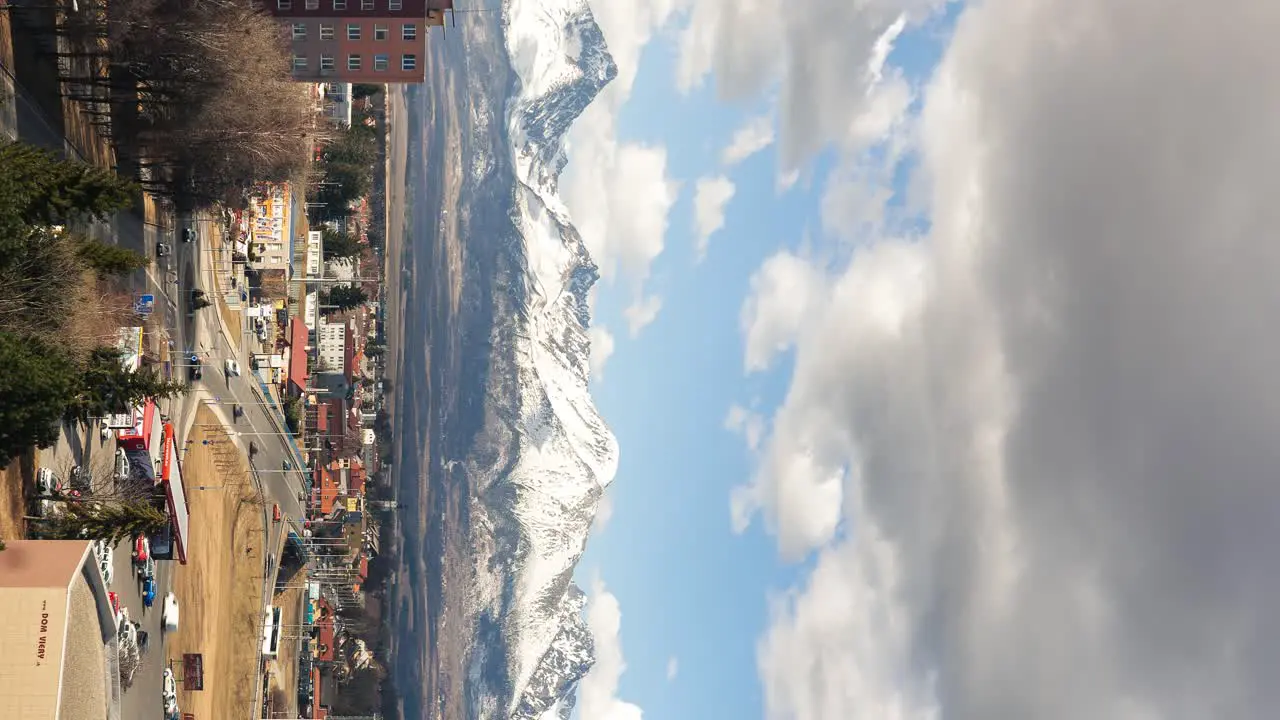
(37, 383)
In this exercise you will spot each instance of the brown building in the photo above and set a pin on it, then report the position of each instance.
(57, 633)
(367, 41)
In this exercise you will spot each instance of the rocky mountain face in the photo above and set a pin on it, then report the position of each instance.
(548, 454)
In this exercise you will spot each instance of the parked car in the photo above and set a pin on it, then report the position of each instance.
(162, 249)
(275, 512)
(116, 610)
(147, 569)
(232, 367)
(148, 591)
(122, 464)
(197, 371)
(188, 235)
(46, 483)
(81, 480)
(141, 549)
(108, 574)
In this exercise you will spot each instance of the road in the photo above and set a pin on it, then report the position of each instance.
(189, 266)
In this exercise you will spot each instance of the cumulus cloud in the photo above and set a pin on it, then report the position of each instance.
(598, 692)
(747, 423)
(755, 135)
(1031, 454)
(710, 196)
(601, 349)
(620, 193)
(642, 312)
(673, 668)
(823, 56)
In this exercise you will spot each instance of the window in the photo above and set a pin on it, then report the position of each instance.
(394, 5)
(408, 62)
(380, 32)
(299, 31)
(326, 62)
(353, 31)
(284, 4)
(326, 31)
(353, 62)
(366, 4)
(409, 31)
(312, 4)
(381, 62)
(299, 62)
(339, 4)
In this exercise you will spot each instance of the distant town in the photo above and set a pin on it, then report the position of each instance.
(196, 511)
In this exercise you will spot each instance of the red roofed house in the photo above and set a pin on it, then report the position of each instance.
(297, 382)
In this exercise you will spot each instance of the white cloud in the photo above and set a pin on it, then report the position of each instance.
(601, 349)
(755, 135)
(747, 423)
(710, 196)
(1031, 453)
(598, 691)
(619, 193)
(673, 668)
(642, 312)
(604, 513)
(822, 56)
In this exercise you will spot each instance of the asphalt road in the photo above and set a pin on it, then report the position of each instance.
(171, 279)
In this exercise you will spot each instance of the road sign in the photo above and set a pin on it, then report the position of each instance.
(193, 671)
(145, 304)
(194, 358)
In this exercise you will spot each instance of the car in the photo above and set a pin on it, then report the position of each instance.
(127, 633)
(147, 569)
(104, 432)
(237, 412)
(286, 465)
(115, 605)
(275, 512)
(169, 613)
(188, 235)
(253, 448)
(46, 483)
(141, 549)
(197, 371)
(144, 641)
(162, 249)
(169, 692)
(148, 591)
(232, 367)
(81, 480)
(262, 333)
(107, 573)
(122, 464)
(103, 551)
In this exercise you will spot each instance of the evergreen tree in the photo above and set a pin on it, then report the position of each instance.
(36, 384)
(341, 245)
(107, 387)
(108, 259)
(364, 90)
(46, 190)
(345, 297)
(110, 521)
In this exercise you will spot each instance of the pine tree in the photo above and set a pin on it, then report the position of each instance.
(108, 259)
(341, 245)
(345, 297)
(110, 521)
(107, 387)
(45, 190)
(37, 382)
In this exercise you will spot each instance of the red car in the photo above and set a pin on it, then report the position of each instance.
(141, 549)
(115, 604)
(275, 512)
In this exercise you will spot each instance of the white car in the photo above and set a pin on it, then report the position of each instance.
(169, 613)
(169, 693)
(232, 367)
(122, 464)
(107, 573)
(46, 483)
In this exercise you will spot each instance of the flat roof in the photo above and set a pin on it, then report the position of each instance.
(39, 579)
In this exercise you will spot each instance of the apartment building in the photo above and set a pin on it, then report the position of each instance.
(359, 41)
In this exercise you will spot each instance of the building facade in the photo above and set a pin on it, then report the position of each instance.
(363, 41)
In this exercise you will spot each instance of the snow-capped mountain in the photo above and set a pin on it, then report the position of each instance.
(549, 455)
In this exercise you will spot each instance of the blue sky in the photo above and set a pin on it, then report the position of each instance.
(999, 364)
(693, 594)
